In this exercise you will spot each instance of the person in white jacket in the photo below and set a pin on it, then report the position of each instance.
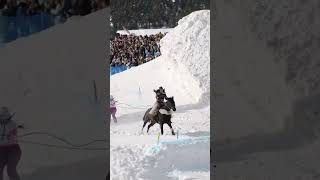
(113, 108)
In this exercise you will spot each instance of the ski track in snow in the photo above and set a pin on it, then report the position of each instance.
(137, 156)
(129, 148)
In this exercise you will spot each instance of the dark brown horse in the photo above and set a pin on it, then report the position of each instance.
(163, 116)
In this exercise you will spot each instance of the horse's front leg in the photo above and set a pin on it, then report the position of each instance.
(149, 126)
(161, 127)
(172, 131)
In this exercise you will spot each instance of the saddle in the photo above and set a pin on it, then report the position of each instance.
(165, 112)
(162, 110)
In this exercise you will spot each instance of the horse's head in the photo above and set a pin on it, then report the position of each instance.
(171, 104)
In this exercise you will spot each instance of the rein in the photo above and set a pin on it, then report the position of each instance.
(165, 105)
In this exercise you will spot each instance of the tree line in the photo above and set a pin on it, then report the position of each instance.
(137, 14)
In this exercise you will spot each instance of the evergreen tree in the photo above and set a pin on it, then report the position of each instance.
(135, 14)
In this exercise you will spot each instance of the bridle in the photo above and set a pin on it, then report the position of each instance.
(166, 105)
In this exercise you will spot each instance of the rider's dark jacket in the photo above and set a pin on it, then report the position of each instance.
(160, 95)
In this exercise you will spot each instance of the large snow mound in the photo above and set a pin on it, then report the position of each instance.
(183, 67)
(188, 46)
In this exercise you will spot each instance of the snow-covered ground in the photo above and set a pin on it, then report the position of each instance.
(143, 32)
(183, 70)
(260, 131)
(47, 80)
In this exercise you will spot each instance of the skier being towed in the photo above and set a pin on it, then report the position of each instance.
(160, 96)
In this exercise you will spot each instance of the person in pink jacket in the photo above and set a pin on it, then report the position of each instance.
(10, 152)
(113, 108)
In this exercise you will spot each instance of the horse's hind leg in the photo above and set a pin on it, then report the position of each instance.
(145, 120)
(149, 126)
(144, 124)
(172, 131)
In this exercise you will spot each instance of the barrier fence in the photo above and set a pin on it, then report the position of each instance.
(12, 28)
(117, 69)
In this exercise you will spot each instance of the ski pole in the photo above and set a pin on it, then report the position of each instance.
(178, 134)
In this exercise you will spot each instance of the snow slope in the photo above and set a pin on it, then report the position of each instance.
(261, 49)
(47, 79)
(254, 99)
(143, 32)
(183, 70)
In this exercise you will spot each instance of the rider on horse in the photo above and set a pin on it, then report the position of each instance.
(160, 96)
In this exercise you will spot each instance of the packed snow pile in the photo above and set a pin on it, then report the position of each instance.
(188, 46)
(183, 70)
(183, 66)
(290, 29)
(268, 55)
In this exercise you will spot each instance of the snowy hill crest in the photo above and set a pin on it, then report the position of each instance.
(188, 44)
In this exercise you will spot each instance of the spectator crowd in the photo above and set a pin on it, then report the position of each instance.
(64, 8)
(131, 50)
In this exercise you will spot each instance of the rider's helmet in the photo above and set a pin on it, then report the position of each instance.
(161, 90)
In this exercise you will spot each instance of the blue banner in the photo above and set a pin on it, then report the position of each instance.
(12, 28)
(117, 69)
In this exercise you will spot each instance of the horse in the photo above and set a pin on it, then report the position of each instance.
(163, 115)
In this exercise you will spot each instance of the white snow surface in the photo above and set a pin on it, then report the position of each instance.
(144, 32)
(47, 80)
(187, 48)
(183, 70)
